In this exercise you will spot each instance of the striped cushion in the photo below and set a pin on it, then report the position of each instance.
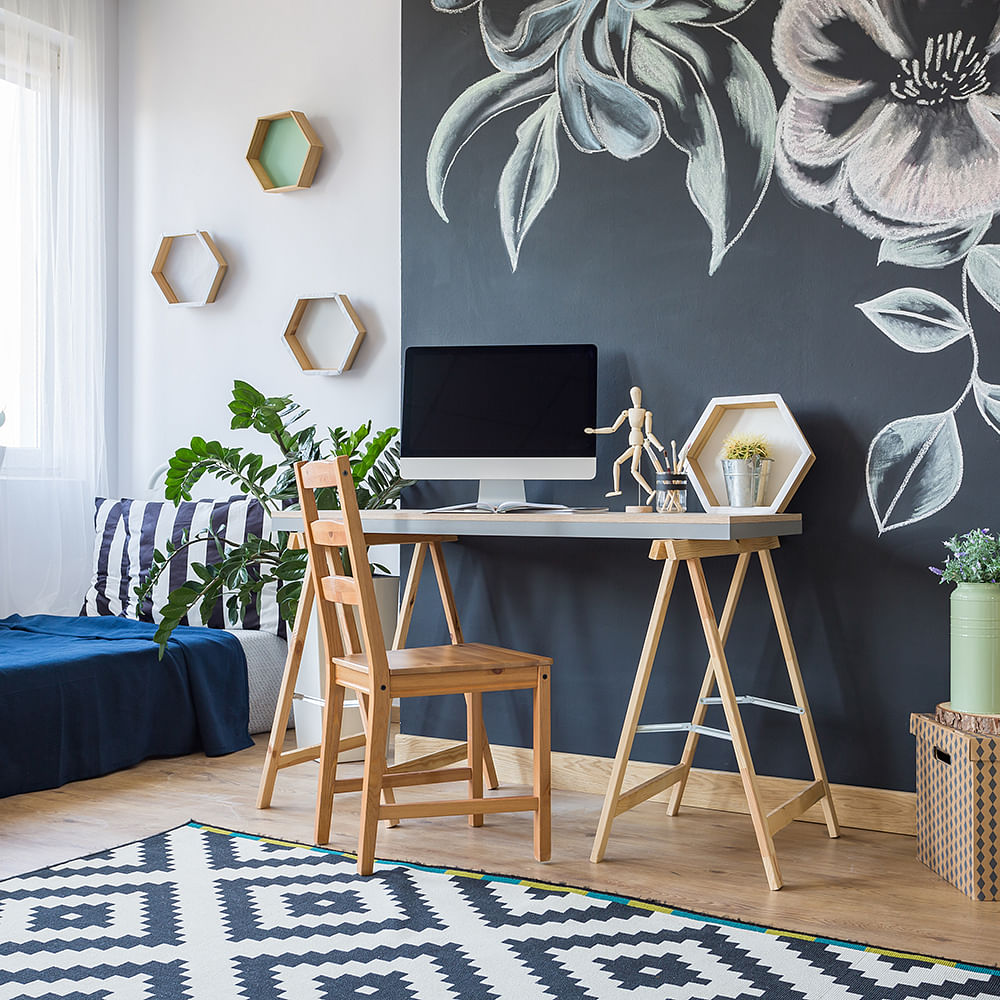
(128, 532)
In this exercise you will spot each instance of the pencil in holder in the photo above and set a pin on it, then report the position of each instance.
(671, 492)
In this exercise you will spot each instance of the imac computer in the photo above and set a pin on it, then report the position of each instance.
(500, 414)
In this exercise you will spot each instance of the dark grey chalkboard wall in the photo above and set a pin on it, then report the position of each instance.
(620, 257)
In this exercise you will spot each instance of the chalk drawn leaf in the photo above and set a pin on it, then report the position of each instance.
(453, 6)
(612, 32)
(988, 400)
(984, 271)
(699, 12)
(718, 108)
(934, 249)
(530, 175)
(532, 39)
(600, 111)
(916, 319)
(914, 469)
(470, 111)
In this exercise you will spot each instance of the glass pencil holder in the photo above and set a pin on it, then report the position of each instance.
(671, 492)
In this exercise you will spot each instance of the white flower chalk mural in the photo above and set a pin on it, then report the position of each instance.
(616, 76)
(891, 123)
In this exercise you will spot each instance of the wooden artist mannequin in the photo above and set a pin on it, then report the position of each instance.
(640, 435)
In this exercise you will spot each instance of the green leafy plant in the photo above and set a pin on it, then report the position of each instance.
(745, 446)
(974, 558)
(240, 571)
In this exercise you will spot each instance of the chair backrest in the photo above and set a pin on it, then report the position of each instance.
(336, 590)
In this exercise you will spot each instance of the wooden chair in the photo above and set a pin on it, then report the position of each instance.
(378, 676)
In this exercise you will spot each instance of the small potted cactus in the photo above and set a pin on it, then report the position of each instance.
(746, 463)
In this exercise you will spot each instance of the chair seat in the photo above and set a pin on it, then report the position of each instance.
(462, 658)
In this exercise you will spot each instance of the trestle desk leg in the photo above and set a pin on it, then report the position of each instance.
(643, 670)
(799, 690)
(457, 638)
(296, 645)
(735, 723)
(708, 683)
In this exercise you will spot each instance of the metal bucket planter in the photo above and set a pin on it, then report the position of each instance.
(975, 648)
(746, 480)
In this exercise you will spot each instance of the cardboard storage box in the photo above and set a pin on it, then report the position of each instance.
(958, 781)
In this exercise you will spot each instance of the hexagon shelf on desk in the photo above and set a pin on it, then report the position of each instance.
(284, 152)
(189, 269)
(764, 414)
(324, 334)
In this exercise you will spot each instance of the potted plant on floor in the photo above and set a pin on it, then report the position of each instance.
(973, 565)
(243, 570)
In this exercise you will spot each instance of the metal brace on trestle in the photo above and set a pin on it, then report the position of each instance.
(684, 727)
(752, 699)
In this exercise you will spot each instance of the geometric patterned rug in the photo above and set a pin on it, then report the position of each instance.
(199, 913)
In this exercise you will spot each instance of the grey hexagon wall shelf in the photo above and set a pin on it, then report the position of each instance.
(324, 334)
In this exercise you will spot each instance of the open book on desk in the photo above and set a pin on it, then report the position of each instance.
(513, 507)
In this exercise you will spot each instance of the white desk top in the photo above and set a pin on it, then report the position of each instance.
(716, 526)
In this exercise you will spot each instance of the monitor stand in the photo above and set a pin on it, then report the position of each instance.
(499, 496)
(497, 491)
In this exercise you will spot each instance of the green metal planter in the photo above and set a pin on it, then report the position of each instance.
(975, 648)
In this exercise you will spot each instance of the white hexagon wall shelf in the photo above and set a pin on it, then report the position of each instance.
(764, 414)
(284, 152)
(189, 269)
(324, 334)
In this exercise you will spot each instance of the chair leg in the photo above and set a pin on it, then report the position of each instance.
(474, 744)
(387, 793)
(333, 714)
(543, 767)
(371, 789)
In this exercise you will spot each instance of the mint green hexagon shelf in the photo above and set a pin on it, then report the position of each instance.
(284, 152)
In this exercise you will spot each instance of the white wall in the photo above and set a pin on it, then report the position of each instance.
(194, 75)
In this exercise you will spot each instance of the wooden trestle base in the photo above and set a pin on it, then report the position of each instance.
(277, 759)
(765, 823)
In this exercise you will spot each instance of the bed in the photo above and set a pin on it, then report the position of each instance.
(81, 697)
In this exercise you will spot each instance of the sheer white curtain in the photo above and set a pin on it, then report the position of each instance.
(53, 292)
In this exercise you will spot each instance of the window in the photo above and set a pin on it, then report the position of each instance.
(20, 336)
(53, 295)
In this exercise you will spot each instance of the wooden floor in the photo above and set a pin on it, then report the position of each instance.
(864, 887)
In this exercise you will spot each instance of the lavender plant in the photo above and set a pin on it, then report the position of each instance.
(974, 558)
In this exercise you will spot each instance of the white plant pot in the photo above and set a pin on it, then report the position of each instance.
(309, 716)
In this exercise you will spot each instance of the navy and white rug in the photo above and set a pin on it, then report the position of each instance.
(199, 913)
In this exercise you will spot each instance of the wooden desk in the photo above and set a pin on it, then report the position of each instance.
(718, 526)
(676, 539)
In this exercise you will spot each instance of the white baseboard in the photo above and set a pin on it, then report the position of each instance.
(857, 807)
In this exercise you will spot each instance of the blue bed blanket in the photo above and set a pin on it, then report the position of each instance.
(80, 697)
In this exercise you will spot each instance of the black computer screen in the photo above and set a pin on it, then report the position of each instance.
(528, 401)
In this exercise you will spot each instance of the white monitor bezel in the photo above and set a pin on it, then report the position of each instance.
(467, 467)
